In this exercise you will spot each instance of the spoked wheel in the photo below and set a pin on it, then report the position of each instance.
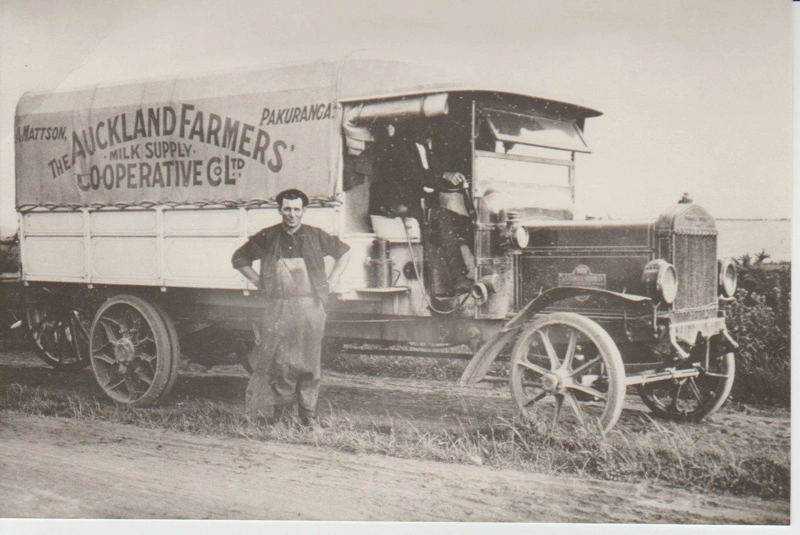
(59, 330)
(694, 398)
(567, 359)
(134, 350)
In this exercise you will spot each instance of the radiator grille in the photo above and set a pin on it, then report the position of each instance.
(695, 259)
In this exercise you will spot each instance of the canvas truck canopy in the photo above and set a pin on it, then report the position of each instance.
(229, 138)
(221, 138)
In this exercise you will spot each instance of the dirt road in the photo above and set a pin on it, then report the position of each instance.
(69, 468)
(76, 469)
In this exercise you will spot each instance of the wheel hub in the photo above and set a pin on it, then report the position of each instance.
(124, 351)
(551, 383)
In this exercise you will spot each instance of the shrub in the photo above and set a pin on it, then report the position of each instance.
(9, 255)
(760, 321)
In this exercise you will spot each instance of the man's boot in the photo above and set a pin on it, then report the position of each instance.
(308, 418)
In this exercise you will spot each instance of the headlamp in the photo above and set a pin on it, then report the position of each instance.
(727, 277)
(517, 234)
(660, 280)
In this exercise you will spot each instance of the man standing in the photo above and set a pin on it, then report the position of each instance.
(286, 362)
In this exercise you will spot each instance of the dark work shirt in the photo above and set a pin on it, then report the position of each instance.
(270, 243)
(291, 244)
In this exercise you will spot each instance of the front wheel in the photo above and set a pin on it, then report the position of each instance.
(134, 350)
(695, 398)
(565, 358)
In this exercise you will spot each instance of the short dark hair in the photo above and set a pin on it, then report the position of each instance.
(291, 194)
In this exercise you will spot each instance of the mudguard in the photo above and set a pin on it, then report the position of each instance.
(486, 355)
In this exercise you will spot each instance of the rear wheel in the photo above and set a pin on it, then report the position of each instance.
(134, 350)
(58, 328)
(567, 359)
(694, 398)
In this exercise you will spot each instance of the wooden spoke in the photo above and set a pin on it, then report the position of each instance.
(146, 357)
(61, 341)
(105, 358)
(535, 399)
(77, 321)
(587, 390)
(534, 367)
(576, 408)
(109, 386)
(102, 347)
(551, 351)
(573, 341)
(557, 410)
(144, 378)
(696, 391)
(140, 341)
(109, 331)
(132, 391)
(582, 368)
(538, 356)
(75, 342)
(673, 404)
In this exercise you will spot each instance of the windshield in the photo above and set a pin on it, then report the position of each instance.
(525, 163)
(534, 189)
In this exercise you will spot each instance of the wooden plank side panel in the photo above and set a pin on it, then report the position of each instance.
(125, 260)
(201, 262)
(184, 248)
(54, 258)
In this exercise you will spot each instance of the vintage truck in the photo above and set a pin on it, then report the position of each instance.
(132, 198)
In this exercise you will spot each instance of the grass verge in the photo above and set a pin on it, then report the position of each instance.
(655, 452)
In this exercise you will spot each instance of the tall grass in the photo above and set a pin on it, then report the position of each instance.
(655, 452)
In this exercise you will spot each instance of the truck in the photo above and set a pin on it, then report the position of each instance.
(132, 197)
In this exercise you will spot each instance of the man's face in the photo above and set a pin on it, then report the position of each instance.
(292, 211)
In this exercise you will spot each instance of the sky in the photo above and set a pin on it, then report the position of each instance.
(696, 95)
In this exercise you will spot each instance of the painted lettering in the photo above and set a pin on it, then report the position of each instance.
(138, 127)
(229, 134)
(214, 126)
(308, 112)
(276, 165)
(185, 109)
(245, 139)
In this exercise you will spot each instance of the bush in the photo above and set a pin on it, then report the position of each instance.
(760, 321)
(9, 294)
(9, 255)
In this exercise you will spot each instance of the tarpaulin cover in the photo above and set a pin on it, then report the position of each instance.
(211, 139)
